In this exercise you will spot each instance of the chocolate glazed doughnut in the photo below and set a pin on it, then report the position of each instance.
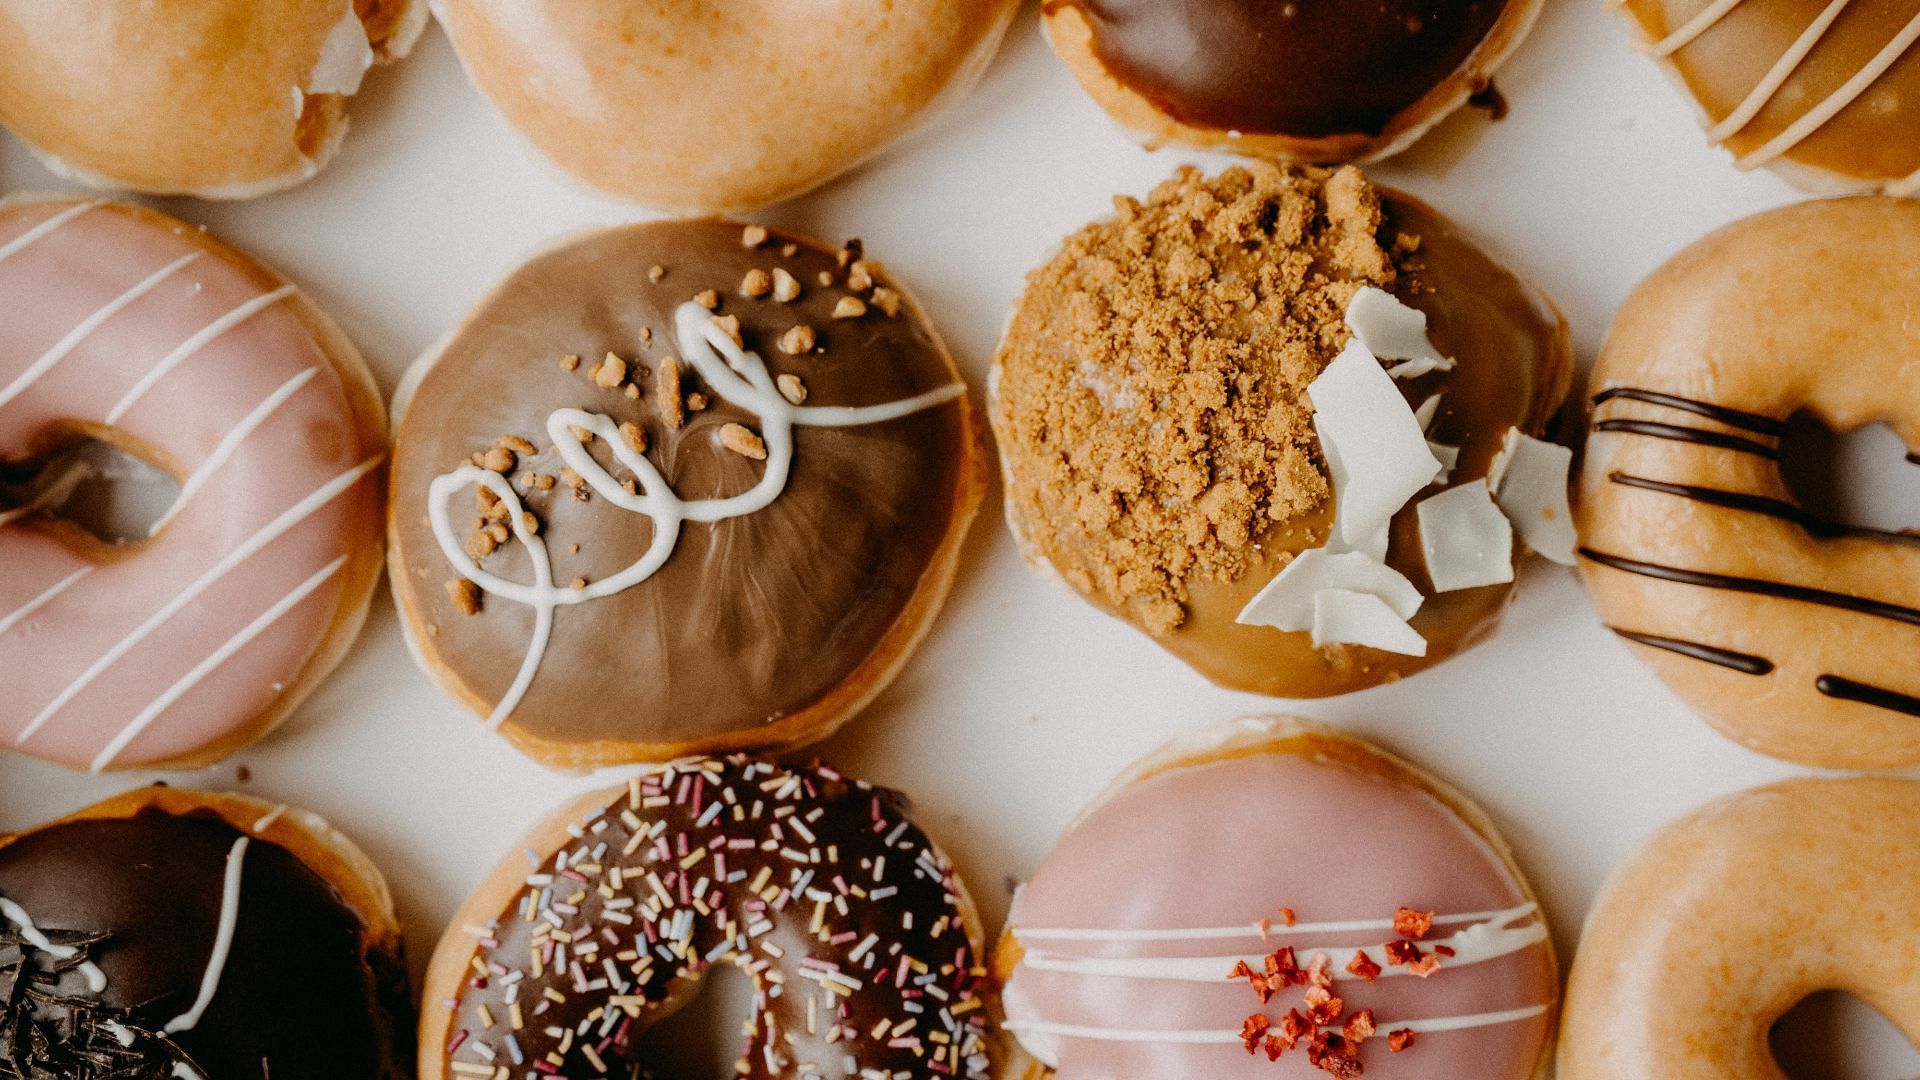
(862, 945)
(169, 934)
(1793, 635)
(766, 513)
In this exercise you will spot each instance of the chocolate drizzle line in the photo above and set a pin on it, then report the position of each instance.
(1746, 421)
(1745, 663)
(1758, 587)
(1835, 686)
(1678, 433)
(1815, 525)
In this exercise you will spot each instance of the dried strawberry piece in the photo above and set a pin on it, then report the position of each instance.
(1255, 1030)
(1330, 1054)
(1402, 953)
(1319, 971)
(1254, 979)
(1274, 1048)
(1363, 967)
(1287, 916)
(1293, 1026)
(1322, 1007)
(1409, 923)
(1424, 966)
(1283, 967)
(1399, 1040)
(1359, 1027)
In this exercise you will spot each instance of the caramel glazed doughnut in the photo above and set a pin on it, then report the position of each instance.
(1299, 81)
(862, 945)
(132, 329)
(1824, 92)
(1377, 915)
(223, 99)
(1733, 915)
(1793, 635)
(602, 86)
(722, 475)
(1199, 434)
(179, 935)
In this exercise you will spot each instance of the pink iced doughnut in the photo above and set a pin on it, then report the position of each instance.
(122, 325)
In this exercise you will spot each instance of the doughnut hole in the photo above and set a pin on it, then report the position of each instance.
(704, 1034)
(1833, 1035)
(98, 495)
(1864, 478)
(381, 18)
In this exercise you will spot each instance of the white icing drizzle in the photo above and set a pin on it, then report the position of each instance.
(293, 516)
(88, 325)
(1777, 77)
(194, 344)
(31, 934)
(44, 229)
(21, 613)
(206, 667)
(267, 819)
(736, 375)
(1256, 930)
(1694, 27)
(230, 444)
(1820, 114)
(222, 940)
(1222, 1036)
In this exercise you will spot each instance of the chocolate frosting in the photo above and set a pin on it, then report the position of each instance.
(1297, 68)
(851, 924)
(749, 619)
(299, 994)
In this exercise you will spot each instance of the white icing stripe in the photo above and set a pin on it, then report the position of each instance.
(1255, 930)
(741, 378)
(19, 614)
(1909, 186)
(266, 820)
(88, 325)
(213, 661)
(1837, 101)
(44, 229)
(1777, 77)
(194, 344)
(231, 443)
(1474, 945)
(222, 940)
(1693, 28)
(299, 512)
(29, 933)
(1205, 1037)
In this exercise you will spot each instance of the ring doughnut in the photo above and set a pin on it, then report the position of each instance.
(1296, 850)
(710, 108)
(196, 936)
(1792, 635)
(862, 945)
(129, 328)
(762, 522)
(223, 99)
(1731, 916)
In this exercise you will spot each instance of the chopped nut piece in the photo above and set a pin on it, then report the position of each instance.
(753, 236)
(756, 284)
(499, 459)
(465, 596)
(646, 335)
(730, 326)
(850, 252)
(666, 385)
(860, 276)
(656, 273)
(569, 362)
(790, 250)
(696, 402)
(886, 300)
(825, 279)
(542, 481)
(797, 340)
(573, 549)
(579, 583)
(635, 438)
(611, 372)
(708, 299)
(500, 533)
(518, 445)
(792, 388)
(497, 512)
(631, 391)
(580, 433)
(738, 439)
(481, 544)
(849, 307)
(529, 522)
(484, 498)
(786, 287)
(571, 479)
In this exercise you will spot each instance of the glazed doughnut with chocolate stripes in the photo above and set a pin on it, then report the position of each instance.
(1795, 636)
(175, 648)
(1379, 918)
(860, 941)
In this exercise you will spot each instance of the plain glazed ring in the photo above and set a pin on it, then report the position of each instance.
(177, 647)
(1272, 890)
(704, 106)
(224, 99)
(1733, 915)
(195, 936)
(861, 943)
(1793, 636)
(677, 488)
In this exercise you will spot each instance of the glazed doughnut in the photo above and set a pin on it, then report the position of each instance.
(132, 329)
(705, 107)
(224, 99)
(179, 934)
(1159, 438)
(1299, 851)
(862, 945)
(719, 566)
(1297, 82)
(1824, 92)
(1793, 636)
(1734, 914)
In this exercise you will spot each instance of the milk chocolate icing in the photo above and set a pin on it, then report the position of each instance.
(298, 995)
(749, 619)
(1298, 68)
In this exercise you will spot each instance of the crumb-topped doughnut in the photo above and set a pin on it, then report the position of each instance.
(1301, 82)
(177, 646)
(1733, 915)
(224, 99)
(179, 935)
(862, 945)
(1270, 898)
(1175, 389)
(680, 487)
(1793, 635)
(707, 107)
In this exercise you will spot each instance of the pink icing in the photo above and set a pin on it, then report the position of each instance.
(47, 289)
(1227, 843)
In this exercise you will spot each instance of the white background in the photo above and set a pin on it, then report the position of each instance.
(1024, 700)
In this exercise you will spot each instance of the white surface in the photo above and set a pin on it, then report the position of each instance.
(1024, 700)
